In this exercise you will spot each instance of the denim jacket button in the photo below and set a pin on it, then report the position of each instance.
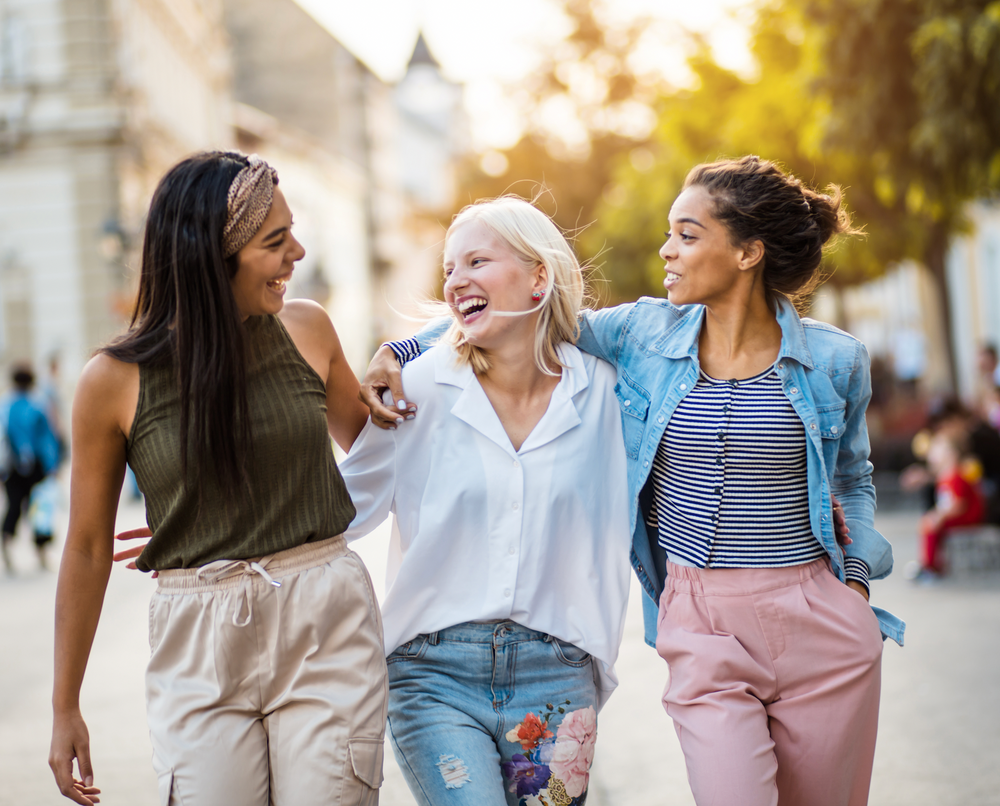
(684, 386)
(812, 426)
(628, 402)
(795, 391)
(834, 429)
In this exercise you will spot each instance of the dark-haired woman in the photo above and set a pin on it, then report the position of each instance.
(740, 420)
(266, 682)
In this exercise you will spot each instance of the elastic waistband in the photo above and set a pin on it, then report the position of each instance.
(488, 632)
(740, 581)
(277, 565)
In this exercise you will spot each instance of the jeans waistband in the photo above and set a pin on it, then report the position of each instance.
(740, 581)
(489, 632)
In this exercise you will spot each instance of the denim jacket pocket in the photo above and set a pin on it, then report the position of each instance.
(831, 420)
(634, 405)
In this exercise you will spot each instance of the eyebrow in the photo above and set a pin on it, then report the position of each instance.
(274, 234)
(694, 221)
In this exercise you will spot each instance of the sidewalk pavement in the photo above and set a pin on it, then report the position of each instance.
(939, 721)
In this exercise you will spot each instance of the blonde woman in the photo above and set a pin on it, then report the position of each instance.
(509, 567)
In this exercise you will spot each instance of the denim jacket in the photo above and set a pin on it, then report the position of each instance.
(653, 346)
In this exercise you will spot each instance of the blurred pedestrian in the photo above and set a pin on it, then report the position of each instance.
(266, 682)
(32, 454)
(981, 464)
(958, 502)
(740, 418)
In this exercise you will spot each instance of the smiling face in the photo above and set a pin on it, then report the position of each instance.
(267, 262)
(702, 265)
(484, 277)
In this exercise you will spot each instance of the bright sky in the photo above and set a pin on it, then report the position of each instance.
(489, 44)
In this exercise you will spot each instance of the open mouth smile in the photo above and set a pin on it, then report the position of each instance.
(470, 307)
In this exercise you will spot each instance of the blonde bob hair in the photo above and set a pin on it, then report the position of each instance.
(533, 239)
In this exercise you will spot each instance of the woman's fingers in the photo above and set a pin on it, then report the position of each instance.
(384, 374)
(133, 534)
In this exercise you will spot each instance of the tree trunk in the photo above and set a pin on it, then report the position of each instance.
(935, 258)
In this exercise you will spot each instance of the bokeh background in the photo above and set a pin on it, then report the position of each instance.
(384, 118)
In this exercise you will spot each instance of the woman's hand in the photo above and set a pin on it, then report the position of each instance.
(840, 529)
(71, 740)
(384, 373)
(134, 551)
(857, 586)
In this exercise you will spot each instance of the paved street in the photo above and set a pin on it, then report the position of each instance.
(940, 720)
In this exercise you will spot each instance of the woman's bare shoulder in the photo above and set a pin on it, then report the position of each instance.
(108, 389)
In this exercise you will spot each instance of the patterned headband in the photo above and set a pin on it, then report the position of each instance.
(249, 202)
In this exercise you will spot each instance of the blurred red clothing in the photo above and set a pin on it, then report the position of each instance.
(953, 491)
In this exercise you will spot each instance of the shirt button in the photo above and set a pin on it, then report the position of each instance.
(725, 409)
(812, 426)
(628, 402)
(795, 391)
(507, 593)
(660, 419)
(718, 490)
(516, 463)
(512, 550)
(721, 435)
(718, 460)
(645, 464)
(515, 505)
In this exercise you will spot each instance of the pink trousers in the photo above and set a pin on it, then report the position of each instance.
(774, 684)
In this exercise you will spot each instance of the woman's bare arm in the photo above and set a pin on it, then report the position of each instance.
(102, 412)
(316, 339)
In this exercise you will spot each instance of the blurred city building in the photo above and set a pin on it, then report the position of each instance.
(99, 97)
(974, 278)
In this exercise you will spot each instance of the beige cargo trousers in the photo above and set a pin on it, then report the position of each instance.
(267, 681)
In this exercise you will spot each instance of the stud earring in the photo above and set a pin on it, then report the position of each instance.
(537, 295)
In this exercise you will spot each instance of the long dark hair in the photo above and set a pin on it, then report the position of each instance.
(186, 315)
(754, 198)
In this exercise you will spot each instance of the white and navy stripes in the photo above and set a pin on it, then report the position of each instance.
(730, 478)
(405, 350)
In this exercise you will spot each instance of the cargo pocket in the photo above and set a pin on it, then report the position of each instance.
(365, 774)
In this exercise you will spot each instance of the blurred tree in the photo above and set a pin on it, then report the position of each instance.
(896, 100)
(585, 104)
(914, 87)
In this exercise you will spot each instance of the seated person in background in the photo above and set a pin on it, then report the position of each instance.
(958, 502)
(948, 415)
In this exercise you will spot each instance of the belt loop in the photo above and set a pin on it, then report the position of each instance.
(434, 638)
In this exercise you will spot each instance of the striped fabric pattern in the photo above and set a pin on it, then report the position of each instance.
(730, 480)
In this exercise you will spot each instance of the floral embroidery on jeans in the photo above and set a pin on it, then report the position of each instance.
(553, 769)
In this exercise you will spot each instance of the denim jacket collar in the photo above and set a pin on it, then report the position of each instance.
(680, 339)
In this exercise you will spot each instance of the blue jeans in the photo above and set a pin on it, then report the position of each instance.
(491, 715)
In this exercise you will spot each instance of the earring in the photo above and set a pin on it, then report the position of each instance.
(537, 295)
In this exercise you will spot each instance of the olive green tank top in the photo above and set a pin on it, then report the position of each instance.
(296, 493)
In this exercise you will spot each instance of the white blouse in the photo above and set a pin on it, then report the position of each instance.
(539, 536)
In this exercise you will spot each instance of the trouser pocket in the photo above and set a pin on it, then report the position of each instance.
(363, 775)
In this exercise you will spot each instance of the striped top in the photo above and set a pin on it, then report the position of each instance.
(730, 480)
(296, 493)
